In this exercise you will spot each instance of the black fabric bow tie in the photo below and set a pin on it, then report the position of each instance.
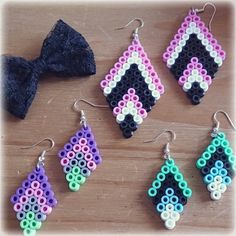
(65, 52)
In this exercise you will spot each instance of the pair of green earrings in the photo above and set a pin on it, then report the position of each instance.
(217, 165)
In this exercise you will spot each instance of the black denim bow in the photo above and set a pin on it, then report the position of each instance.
(65, 52)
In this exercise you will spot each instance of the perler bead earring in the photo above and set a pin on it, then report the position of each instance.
(169, 191)
(132, 86)
(34, 199)
(194, 55)
(217, 163)
(80, 156)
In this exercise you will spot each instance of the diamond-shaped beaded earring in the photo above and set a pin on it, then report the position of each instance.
(132, 86)
(217, 163)
(34, 199)
(194, 55)
(80, 156)
(169, 191)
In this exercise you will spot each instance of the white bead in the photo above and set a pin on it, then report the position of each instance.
(130, 104)
(126, 66)
(169, 224)
(156, 94)
(189, 30)
(130, 60)
(138, 60)
(169, 207)
(170, 62)
(187, 86)
(151, 87)
(205, 42)
(218, 60)
(133, 111)
(112, 84)
(106, 91)
(222, 188)
(192, 24)
(194, 72)
(200, 36)
(119, 118)
(138, 119)
(144, 73)
(196, 30)
(209, 48)
(148, 80)
(117, 78)
(212, 186)
(185, 37)
(174, 215)
(121, 72)
(191, 79)
(215, 195)
(141, 67)
(135, 54)
(204, 86)
(174, 55)
(178, 49)
(125, 111)
(182, 43)
(165, 215)
(199, 78)
(218, 179)
(213, 54)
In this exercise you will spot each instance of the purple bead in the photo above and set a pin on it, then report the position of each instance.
(32, 176)
(45, 186)
(74, 140)
(52, 202)
(79, 134)
(39, 170)
(62, 153)
(48, 193)
(86, 129)
(20, 191)
(26, 184)
(97, 159)
(42, 178)
(68, 147)
(94, 150)
(14, 199)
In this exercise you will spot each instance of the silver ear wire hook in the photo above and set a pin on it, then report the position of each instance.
(42, 155)
(167, 146)
(203, 9)
(135, 32)
(83, 120)
(217, 123)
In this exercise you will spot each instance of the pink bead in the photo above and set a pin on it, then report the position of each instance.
(213, 41)
(88, 156)
(138, 105)
(108, 77)
(116, 111)
(187, 72)
(203, 72)
(126, 97)
(190, 66)
(29, 192)
(118, 65)
(181, 32)
(70, 154)
(113, 71)
(222, 54)
(82, 141)
(91, 165)
(166, 56)
(42, 201)
(46, 209)
(64, 161)
(194, 60)
(184, 25)
(35, 184)
(146, 61)
(174, 43)
(196, 18)
(131, 91)
(208, 79)
(217, 47)
(149, 68)
(143, 55)
(121, 104)
(104, 84)
(182, 80)
(127, 54)
(139, 48)
(131, 48)
(76, 148)
(200, 24)
(38, 193)
(199, 66)
(85, 149)
(209, 36)
(18, 207)
(177, 37)
(142, 112)
(156, 81)
(187, 19)
(24, 199)
(153, 74)
(122, 60)
(170, 49)
(135, 98)
(160, 88)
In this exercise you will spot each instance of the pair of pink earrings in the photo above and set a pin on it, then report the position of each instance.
(132, 86)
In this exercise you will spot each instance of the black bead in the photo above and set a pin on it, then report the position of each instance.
(127, 133)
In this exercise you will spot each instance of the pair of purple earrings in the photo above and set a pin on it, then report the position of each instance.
(132, 87)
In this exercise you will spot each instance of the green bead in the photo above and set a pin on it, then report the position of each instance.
(73, 186)
(174, 169)
(38, 225)
(161, 177)
(156, 184)
(183, 184)
(80, 179)
(33, 224)
(216, 142)
(211, 148)
(76, 170)
(232, 159)
(30, 215)
(224, 143)
(165, 169)
(70, 177)
(200, 163)
(152, 192)
(29, 232)
(179, 177)
(24, 224)
(170, 162)
(187, 192)
(221, 136)
(206, 155)
(228, 151)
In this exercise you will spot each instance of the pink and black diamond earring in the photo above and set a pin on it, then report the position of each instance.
(80, 156)
(132, 86)
(34, 199)
(169, 190)
(194, 55)
(217, 163)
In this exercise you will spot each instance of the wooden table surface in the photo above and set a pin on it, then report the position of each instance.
(114, 199)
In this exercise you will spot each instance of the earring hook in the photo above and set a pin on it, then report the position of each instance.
(135, 32)
(166, 147)
(203, 9)
(42, 155)
(217, 122)
(83, 120)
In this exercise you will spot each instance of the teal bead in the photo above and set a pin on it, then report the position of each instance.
(214, 171)
(206, 155)
(224, 143)
(208, 179)
(200, 163)
(174, 200)
(165, 199)
(211, 148)
(156, 184)
(169, 192)
(183, 184)
(161, 177)
(223, 172)
(178, 177)
(170, 162)
(160, 207)
(219, 164)
(174, 169)
(152, 192)
(228, 151)
(165, 169)
(216, 142)
(227, 180)
(232, 159)
(221, 135)
(187, 192)
(179, 207)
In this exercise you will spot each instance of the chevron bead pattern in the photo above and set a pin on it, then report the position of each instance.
(169, 193)
(194, 57)
(217, 165)
(131, 88)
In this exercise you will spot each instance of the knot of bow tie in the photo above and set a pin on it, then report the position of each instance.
(65, 52)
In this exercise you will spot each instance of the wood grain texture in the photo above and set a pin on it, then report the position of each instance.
(114, 199)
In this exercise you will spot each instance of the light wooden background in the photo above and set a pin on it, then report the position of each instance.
(114, 199)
